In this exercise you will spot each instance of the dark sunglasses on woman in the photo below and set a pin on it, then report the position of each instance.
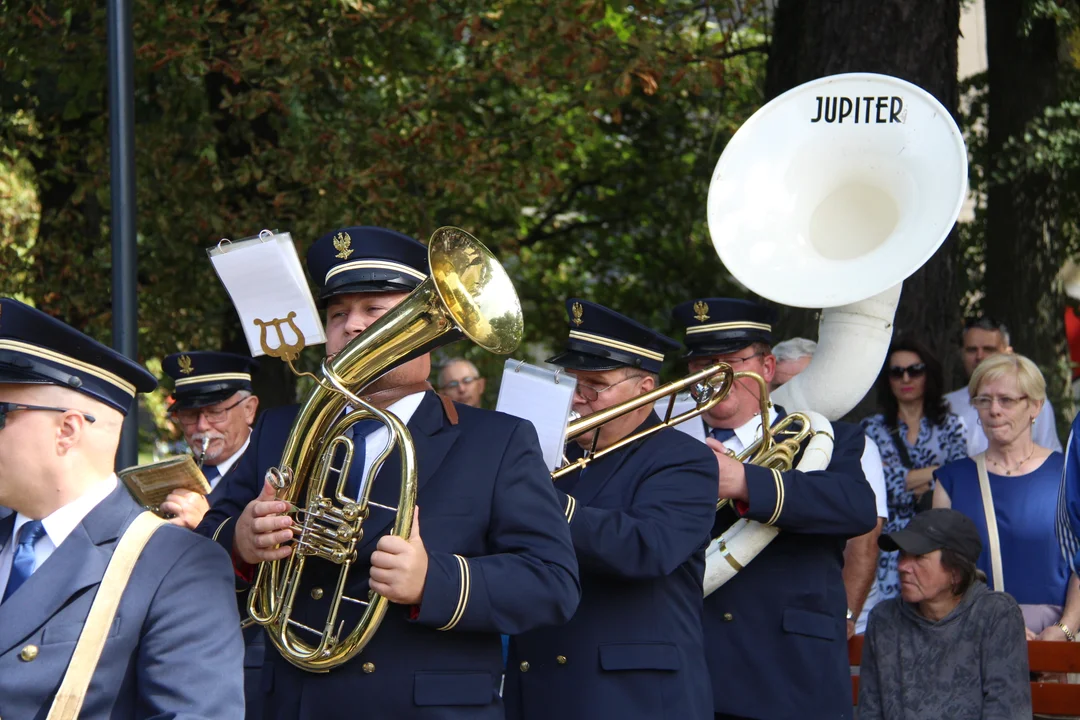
(917, 370)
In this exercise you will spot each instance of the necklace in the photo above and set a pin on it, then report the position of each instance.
(1010, 471)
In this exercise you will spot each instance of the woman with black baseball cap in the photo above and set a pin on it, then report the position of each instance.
(948, 647)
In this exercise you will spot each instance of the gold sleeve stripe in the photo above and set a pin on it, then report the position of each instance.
(571, 508)
(220, 528)
(463, 594)
(779, 480)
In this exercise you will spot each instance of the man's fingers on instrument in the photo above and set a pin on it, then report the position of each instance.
(279, 553)
(170, 508)
(383, 559)
(271, 523)
(381, 575)
(392, 544)
(263, 508)
(380, 588)
(267, 540)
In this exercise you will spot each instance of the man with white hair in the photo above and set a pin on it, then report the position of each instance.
(460, 381)
(861, 554)
(215, 407)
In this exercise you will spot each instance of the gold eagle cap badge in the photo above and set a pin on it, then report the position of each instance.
(184, 361)
(343, 244)
(701, 311)
(578, 311)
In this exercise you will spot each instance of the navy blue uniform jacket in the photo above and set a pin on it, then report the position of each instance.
(500, 561)
(640, 519)
(174, 650)
(776, 633)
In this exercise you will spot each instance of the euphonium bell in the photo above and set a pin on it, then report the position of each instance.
(468, 293)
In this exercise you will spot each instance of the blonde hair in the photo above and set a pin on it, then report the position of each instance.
(1028, 377)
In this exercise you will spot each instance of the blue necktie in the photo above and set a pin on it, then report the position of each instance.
(211, 473)
(722, 434)
(360, 431)
(22, 566)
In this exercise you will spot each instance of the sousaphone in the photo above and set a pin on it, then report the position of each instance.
(830, 196)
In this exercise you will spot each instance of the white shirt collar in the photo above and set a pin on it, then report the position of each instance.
(750, 431)
(403, 408)
(63, 521)
(224, 467)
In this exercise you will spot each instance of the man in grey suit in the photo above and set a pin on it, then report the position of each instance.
(174, 648)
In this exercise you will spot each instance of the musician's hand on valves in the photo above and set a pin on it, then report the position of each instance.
(399, 566)
(732, 484)
(262, 529)
(186, 508)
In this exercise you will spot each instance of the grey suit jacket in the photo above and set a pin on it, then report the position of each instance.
(174, 650)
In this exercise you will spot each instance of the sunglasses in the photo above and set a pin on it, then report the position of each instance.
(10, 407)
(917, 370)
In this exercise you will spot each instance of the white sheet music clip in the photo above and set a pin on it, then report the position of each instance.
(543, 397)
(694, 427)
(266, 283)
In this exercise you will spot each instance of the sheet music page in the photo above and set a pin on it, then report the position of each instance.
(266, 282)
(543, 398)
(694, 427)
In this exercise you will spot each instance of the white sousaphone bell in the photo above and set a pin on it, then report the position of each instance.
(830, 196)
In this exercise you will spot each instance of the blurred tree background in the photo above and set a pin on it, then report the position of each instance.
(576, 138)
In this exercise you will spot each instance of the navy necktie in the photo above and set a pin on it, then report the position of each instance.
(22, 565)
(211, 473)
(722, 434)
(360, 431)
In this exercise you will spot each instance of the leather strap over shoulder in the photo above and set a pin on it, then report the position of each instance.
(449, 409)
(69, 698)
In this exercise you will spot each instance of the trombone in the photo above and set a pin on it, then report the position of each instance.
(707, 387)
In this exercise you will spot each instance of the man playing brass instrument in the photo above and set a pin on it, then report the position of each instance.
(490, 552)
(776, 634)
(214, 405)
(640, 519)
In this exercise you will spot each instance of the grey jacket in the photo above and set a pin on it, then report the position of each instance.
(972, 665)
(174, 650)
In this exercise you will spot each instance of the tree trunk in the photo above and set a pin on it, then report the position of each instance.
(1024, 247)
(914, 40)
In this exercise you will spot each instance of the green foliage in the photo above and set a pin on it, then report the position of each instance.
(575, 137)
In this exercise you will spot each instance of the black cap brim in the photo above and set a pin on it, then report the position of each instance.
(574, 360)
(394, 283)
(721, 348)
(910, 542)
(201, 400)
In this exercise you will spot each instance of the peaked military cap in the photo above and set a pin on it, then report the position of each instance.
(206, 378)
(602, 339)
(38, 349)
(366, 259)
(717, 326)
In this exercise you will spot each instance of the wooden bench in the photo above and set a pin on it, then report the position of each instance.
(1046, 698)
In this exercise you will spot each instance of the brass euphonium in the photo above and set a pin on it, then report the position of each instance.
(469, 293)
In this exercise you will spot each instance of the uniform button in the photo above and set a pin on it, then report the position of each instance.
(369, 668)
(728, 617)
(561, 659)
(524, 667)
(28, 653)
(316, 593)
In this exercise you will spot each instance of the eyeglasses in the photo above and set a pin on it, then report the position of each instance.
(455, 384)
(8, 407)
(984, 402)
(590, 393)
(704, 362)
(191, 417)
(917, 370)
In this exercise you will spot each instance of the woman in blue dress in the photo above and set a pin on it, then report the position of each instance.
(1008, 391)
(916, 433)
